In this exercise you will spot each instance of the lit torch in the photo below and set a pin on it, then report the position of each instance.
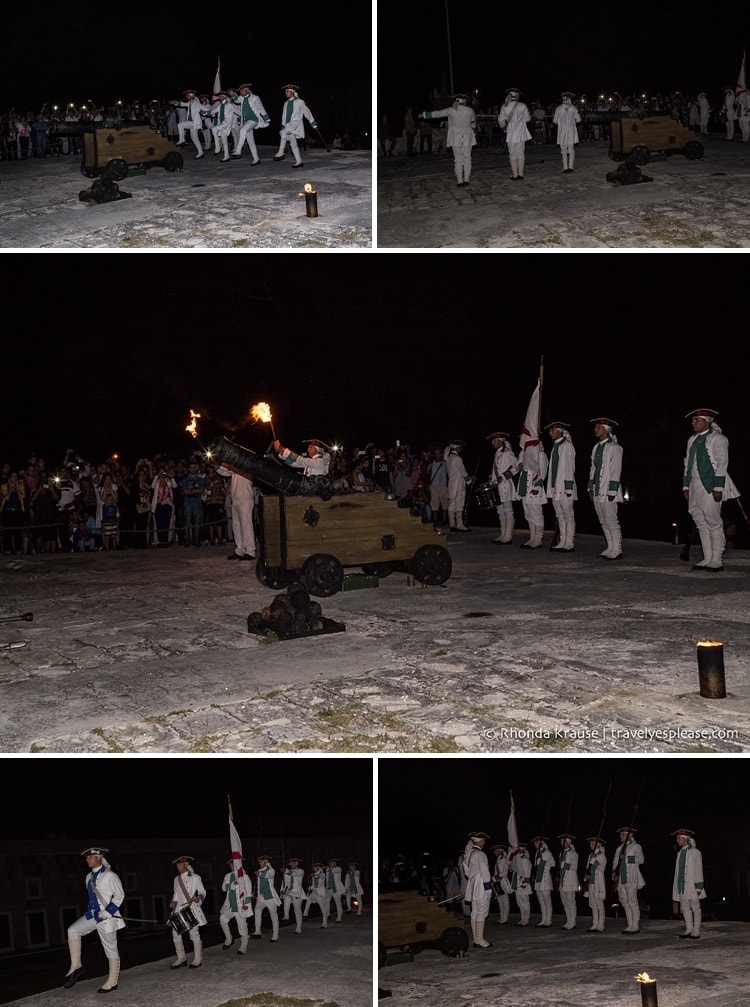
(311, 200)
(262, 411)
(192, 427)
(648, 989)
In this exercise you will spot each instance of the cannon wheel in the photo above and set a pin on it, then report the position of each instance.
(431, 564)
(173, 161)
(322, 575)
(118, 166)
(454, 941)
(693, 150)
(273, 576)
(641, 154)
(377, 569)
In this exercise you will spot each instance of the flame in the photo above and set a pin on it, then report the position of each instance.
(261, 411)
(192, 427)
(709, 643)
(308, 189)
(644, 977)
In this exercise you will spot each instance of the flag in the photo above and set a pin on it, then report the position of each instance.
(741, 87)
(530, 432)
(235, 844)
(512, 830)
(217, 80)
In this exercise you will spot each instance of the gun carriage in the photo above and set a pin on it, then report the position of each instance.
(309, 534)
(118, 148)
(642, 135)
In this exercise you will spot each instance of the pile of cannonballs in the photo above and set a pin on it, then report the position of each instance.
(291, 615)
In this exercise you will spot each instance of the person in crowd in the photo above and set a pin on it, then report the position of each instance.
(189, 894)
(193, 487)
(513, 117)
(162, 506)
(14, 514)
(105, 896)
(462, 137)
(605, 486)
(293, 115)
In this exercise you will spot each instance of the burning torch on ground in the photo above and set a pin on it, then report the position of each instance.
(311, 200)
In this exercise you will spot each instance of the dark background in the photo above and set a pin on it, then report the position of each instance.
(58, 53)
(162, 797)
(589, 48)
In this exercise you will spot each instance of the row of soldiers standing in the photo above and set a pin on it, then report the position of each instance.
(516, 873)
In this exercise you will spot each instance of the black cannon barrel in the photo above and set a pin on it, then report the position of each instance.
(70, 128)
(289, 481)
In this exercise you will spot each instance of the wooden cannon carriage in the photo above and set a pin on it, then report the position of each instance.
(309, 534)
(410, 921)
(652, 133)
(116, 149)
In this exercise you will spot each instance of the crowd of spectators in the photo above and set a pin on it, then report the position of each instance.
(80, 506)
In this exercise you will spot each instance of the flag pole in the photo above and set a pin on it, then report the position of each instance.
(541, 382)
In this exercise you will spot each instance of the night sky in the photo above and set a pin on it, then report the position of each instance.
(155, 50)
(359, 349)
(586, 47)
(269, 796)
(432, 805)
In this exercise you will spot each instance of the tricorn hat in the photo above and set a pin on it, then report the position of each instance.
(558, 423)
(707, 414)
(94, 851)
(183, 860)
(683, 832)
(605, 421)
(499, 434)
(290, 87)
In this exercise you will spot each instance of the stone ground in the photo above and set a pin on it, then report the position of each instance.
(558, 968)
(317, 968)
(689, 204)
(208, 205)
(519, 651)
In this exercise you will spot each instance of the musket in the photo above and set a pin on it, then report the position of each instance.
(326, 145)
(630, 832)
(601, 826)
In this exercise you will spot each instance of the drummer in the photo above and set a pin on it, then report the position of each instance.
(502, 488)
(187, 915)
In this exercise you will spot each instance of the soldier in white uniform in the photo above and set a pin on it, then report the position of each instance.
(729, 111)
(504, 467)
(252, 115)
(604, 485)
(501, 884)
(461, 136)
(568, 864)
(626, 871)
(561, 483)
(688, 888)
(532, 467)
(519, 866)
(266, 897)
(238, 906)
(596, 882)
(189, 893)
(478, 885)
(704, 111)
(191, 122)
(317, 893)
(223, 116)
(293, 115)
(706, 484)
(242, 495)
(105, 898)
(513, 116)
(315, 463)
(293, 893)
(458, 479)
(335, 886)
(353, 887)
(541, 878)
(566, 118)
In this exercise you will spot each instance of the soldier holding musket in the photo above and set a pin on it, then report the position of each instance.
(626, 873)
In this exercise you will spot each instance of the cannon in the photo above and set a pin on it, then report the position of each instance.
(309, 534)
(653, 133)
(408, 920)
(117, 148)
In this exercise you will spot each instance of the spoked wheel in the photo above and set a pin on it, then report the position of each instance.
(322, 575)
(641, 154)
(173, 161)
(431, 564)
(118, 167)
(273, 576)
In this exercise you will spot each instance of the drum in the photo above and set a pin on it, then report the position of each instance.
(488, 496)
(183, 920)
